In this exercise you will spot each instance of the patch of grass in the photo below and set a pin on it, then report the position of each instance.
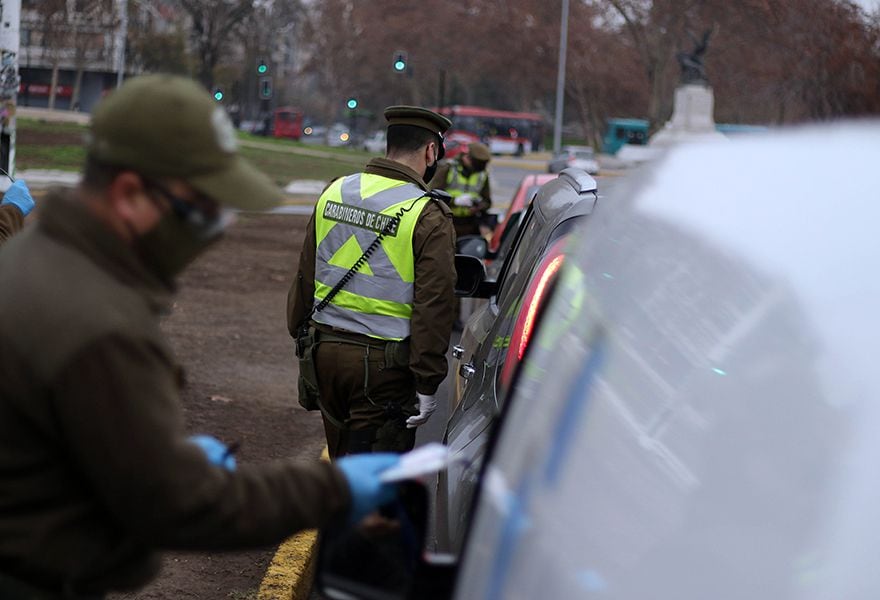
(284, 142)
(33, 125)
(284, 167)
(41, 145)
(62, 158)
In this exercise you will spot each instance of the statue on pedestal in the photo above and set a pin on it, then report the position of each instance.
(692, 69)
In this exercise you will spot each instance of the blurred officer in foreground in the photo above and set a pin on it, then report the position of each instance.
(467, 181)
(96, 471)
(373, 356)
(15, 206)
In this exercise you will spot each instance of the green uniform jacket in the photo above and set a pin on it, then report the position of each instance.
(433, 295)
(95, 470)
(11, 221)
(463, 225)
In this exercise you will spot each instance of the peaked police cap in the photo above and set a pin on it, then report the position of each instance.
(418, 117)
(169, 126)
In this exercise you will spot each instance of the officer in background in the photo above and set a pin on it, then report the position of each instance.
(379, 347)
(96, 471)
(467, 181)
(15, 206)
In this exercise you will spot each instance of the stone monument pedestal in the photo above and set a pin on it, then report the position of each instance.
(692, 117)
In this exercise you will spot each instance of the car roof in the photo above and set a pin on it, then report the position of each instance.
(555, 201)
(699, 414)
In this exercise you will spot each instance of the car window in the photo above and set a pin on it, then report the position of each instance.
(507, 236)
(584, 154)
(519, 257)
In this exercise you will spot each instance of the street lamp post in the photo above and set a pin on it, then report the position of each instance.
(10, 37)
(560, 78)
(121, 37)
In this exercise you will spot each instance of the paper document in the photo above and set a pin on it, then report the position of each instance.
(424, 460)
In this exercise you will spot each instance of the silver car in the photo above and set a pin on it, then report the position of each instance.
(578, 157)
(697, 416)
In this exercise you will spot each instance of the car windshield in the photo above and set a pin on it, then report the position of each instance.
(584, 153)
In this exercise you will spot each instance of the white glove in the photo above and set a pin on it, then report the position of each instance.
(427, 405)
(464, 200)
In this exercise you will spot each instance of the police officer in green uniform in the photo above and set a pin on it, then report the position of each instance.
(96, 471)
(378, 347)
(467, 181)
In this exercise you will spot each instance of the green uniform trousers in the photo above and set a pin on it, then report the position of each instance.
(370, 399)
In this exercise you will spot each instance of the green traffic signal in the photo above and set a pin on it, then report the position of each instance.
(218, 94)
(262, 68)
(399, 62)
(352, 103)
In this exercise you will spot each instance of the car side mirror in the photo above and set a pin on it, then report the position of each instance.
(382, 558)
(472, 245)
(471, 278)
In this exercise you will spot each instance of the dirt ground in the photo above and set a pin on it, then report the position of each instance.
(229, 331)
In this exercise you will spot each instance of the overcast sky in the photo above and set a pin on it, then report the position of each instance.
(869, 5)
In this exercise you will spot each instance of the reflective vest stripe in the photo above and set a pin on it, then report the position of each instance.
(370, 306)
(377, 300)
(363, 284)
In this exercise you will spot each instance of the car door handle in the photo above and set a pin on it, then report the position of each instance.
(467, 370)
(457, 352)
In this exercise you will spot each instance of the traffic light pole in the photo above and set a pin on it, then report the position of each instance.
(10, 31)
(560, 79)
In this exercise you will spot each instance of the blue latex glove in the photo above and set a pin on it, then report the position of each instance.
(216, 451)
(19, 195)
(367, 492)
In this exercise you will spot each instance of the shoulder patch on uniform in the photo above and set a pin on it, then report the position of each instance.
(444, 208)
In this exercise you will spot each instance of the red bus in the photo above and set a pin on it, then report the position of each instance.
(288, 123)
(505, 132)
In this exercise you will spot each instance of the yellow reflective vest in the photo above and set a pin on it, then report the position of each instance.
(378, 300)
(457, 184)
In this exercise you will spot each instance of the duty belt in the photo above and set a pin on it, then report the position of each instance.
(323, 336)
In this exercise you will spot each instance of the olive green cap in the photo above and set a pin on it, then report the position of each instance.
(479, 151)
(418, 117)
(169, 126)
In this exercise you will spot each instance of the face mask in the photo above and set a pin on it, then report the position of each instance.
(441, 152)
(177, 240)
(429, 172)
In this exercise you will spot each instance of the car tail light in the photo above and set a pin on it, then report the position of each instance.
(530, 309)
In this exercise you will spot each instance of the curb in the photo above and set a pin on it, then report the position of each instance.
(292, 570)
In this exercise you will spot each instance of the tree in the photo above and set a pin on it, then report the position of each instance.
(598, 88)
(213, 24)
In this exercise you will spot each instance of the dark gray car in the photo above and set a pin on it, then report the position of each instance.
(497, 334)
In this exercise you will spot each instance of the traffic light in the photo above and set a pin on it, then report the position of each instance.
(399, 64)
(218, 94)
(262, 68)
(352, 103)
(265, 88)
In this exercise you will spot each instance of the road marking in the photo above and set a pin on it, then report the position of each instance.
(290, 574)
